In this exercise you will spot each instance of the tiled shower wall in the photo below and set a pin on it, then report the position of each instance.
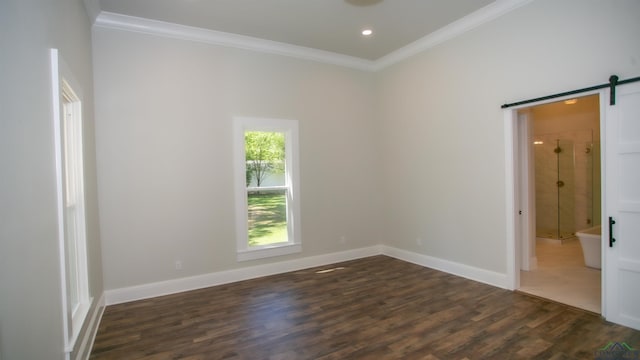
(577, 127)
(565, 157)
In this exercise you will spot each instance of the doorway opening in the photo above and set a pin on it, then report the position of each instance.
(557, 189)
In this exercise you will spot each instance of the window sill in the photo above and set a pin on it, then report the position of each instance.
(279, 250)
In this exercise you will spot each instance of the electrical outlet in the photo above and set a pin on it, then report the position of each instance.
(178, 265)
(343, 239)
(419, 241)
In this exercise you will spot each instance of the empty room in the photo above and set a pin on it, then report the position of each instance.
(324, 179)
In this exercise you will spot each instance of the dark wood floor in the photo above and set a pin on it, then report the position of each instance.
(372, 308)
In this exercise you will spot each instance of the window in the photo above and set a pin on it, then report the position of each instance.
(71, 204)
(267, 195)
(75, 234)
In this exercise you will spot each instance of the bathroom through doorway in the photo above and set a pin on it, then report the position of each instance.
(564, 176)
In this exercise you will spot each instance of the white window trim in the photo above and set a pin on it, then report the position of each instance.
(290, 128)
(73, 319)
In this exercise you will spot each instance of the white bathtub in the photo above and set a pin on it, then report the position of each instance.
(590, 240)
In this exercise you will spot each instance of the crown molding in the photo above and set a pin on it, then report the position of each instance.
(165, 29)
(170, 30)
(456, 28)
(92, 8)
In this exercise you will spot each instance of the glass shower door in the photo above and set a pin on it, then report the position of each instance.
(565, 189)
(555, 188)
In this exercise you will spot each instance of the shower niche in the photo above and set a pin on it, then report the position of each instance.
(567, 184)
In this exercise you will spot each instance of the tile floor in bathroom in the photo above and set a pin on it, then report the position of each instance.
(562, 276)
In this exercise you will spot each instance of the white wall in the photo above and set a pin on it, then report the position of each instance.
(164, 113)
(443, 143)
(30, 290)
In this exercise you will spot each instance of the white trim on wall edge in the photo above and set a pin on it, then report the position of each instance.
(470, 272)
(145, 291)
(171, 30)
(92, 329)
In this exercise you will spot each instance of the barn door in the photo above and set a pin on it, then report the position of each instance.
(621, 220)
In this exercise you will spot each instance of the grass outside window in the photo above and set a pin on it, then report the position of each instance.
(267, 218)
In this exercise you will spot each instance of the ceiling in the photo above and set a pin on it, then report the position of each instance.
(329, 25)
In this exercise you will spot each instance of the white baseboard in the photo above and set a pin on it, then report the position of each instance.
(146, 291)
(92, 329)
(454, 268)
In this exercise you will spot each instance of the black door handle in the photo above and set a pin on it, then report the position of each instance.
(611, 239)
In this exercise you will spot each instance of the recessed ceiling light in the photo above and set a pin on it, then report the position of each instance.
(367, 32)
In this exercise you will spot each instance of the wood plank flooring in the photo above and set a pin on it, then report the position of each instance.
(372, 308)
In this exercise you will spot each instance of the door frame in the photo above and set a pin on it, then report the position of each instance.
(520, 238)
